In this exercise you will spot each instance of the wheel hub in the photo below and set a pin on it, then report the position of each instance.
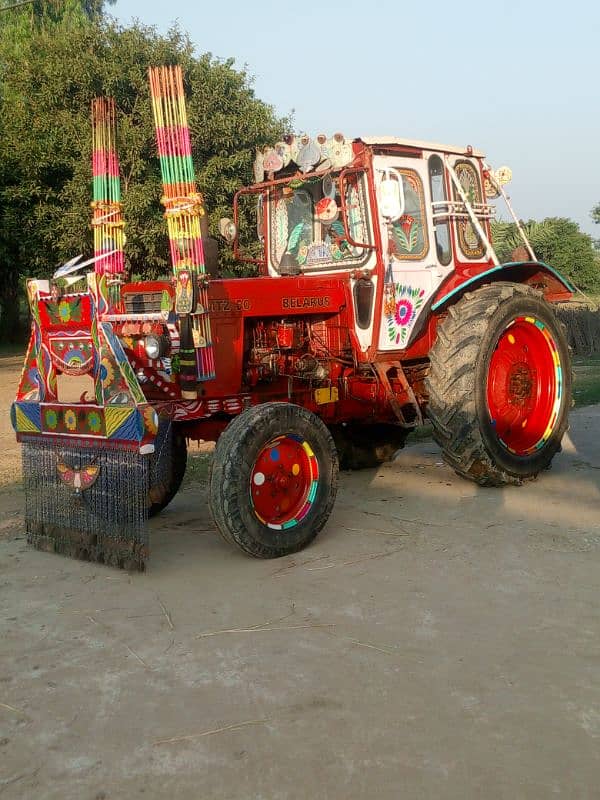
(283, 481)
(520, 382)
(524, 386)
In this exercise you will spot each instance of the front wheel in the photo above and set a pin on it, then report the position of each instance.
(167, 468)
(274, 479)
(500, 385)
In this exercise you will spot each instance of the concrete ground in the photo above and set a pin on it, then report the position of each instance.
(438, 640)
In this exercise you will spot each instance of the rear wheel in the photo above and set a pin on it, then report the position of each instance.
(500, 385)
(274, 479)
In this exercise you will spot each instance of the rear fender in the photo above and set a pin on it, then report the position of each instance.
(554, 286)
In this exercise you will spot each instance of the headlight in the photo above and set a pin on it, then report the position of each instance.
(155, 346)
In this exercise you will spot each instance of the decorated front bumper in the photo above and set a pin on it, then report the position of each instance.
(87, 465)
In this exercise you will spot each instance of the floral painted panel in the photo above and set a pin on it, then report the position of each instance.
(401, 304)
(468, 238)
(408, 235)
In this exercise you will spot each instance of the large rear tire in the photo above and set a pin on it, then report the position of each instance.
(500, 385)
(274, 479)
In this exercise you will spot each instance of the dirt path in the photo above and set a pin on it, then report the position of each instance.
(438, 640)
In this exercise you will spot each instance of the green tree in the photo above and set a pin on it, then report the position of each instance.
(45, 146)
(596, 213)
(21, 22)
(557, 241)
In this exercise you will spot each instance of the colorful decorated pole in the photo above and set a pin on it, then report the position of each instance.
(107, 220)
(183, 210)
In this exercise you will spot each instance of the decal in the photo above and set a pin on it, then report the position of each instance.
(401, 304)
(305, 302)
(229, 305)
(64, 311)
(77, 479)
(406, 231)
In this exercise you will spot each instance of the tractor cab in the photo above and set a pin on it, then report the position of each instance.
(405, 222)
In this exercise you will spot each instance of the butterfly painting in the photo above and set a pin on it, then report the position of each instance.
(78, 479)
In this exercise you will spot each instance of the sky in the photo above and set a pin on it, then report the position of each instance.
(518, 80)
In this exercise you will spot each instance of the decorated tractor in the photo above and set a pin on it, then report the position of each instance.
(378, 301)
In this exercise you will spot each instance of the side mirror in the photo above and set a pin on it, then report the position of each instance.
(227, 229)
(391, 195)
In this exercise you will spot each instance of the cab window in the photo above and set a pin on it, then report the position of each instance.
(306, 227)
(408, 234)
(439, 197)
(468, 238)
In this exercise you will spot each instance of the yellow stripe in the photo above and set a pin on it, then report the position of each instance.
(115, 417)
(24, 424)
(307, 449)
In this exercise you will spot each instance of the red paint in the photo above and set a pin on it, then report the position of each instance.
(522, 385)
(281, 480)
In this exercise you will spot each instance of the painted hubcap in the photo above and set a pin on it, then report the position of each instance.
(524, 386)
(283, 481)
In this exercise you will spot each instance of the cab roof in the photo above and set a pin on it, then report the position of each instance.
(385, 141)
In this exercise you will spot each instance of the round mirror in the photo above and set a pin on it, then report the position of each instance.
(227, 229)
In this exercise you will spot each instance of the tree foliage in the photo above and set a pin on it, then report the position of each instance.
(557, 241)
(45, 142)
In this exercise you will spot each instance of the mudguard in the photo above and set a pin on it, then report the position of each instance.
(537, 274)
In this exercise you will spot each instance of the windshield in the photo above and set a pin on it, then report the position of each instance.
(306, 227)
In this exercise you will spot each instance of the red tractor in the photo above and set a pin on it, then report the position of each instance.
(378, 301)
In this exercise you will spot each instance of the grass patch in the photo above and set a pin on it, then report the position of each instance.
(198, 468)
(423, 433)
(586, 380)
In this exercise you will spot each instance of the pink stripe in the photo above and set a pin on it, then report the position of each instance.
(97, 161)
(113, 165)
(117, 264)
(104, 163)
(173, 140)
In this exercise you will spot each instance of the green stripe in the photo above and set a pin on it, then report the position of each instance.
(177, 169)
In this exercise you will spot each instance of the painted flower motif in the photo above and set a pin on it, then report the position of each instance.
(51, 418)
(70, 419)
(404, 312)
(94, 421)
(107, 373)
(64, 311)
(406, 234)
(401, 305)
(406, 222)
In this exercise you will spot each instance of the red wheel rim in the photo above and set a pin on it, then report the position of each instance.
(283, 481)
(524, 386)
